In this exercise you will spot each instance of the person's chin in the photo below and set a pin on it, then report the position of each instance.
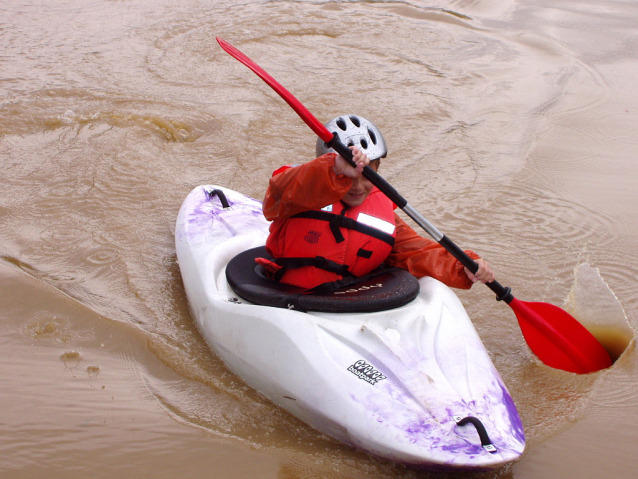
(354, 201)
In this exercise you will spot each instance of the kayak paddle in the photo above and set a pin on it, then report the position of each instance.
(556, 337)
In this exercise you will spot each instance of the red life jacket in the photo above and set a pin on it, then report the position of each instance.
(321, 246)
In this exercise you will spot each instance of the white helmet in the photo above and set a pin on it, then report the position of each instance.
(355, 130)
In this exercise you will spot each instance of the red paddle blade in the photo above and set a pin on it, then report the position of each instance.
(558, 339)
(320, 130)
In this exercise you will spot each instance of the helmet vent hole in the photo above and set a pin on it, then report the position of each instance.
(355, 121)
(373, 137)
(364, 144)
(341, 123)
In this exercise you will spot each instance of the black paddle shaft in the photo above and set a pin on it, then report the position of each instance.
(503, 293)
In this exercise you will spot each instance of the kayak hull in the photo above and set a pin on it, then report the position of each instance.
(394, 383)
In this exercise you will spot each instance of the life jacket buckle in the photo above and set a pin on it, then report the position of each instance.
(321, 262)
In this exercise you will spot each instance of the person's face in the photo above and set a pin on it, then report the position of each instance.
(360, 189)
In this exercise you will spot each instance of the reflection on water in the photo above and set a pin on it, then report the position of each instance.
(509, 126)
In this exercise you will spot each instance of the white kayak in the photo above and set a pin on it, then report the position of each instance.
(412, 384)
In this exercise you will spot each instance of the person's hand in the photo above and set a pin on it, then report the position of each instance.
(343, 168)
(484, 274)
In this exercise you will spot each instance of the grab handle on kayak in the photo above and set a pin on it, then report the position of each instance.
(486, 442)
(220, 194)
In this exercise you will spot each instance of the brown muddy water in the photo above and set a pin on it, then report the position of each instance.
(511, 126)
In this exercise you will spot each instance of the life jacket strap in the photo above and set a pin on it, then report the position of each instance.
(340, 221)
(348, 281)
(318, 262)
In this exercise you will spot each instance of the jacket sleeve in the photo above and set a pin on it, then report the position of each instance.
(425, 257)
(310, 186)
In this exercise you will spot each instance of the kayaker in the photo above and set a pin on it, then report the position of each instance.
(329, 222)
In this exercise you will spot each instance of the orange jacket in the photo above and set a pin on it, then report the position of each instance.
(314, 185)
